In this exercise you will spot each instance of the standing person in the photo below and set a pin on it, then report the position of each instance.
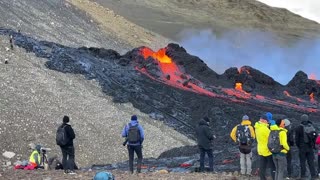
(305, 140)
(11, 41)
(290, 140)
(279, 147)
(64, 138)
(265, 156)
(318, 148)
(205, 137)
(134, 134)
(244, 135)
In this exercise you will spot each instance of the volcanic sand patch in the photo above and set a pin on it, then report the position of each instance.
(121, 28)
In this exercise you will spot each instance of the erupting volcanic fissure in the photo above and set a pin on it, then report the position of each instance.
(172, 74)
(161, 67)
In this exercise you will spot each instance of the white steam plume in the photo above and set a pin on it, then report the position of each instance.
(256, 49)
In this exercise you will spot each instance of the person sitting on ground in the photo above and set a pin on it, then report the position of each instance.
(278, 145)
(244, 135)
(204, 138)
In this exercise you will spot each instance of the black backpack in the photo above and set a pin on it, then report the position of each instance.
(244, 135)
(274, 142)
(62, 138)
(133, 134)
(309, 134)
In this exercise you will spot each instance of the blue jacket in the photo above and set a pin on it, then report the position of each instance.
(125, 132)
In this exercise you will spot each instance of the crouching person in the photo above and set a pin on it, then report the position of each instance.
(244, 135)
(278, 145)
(134, 134)
(34, 159)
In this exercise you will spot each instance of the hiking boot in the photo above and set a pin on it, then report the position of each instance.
(72, 172)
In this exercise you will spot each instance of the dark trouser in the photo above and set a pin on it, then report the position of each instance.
(68, 158)
(264, 163)
(318, 163)
(289, 167)
(307, 155)
(280, 162)
(210, 156)
(138, 150)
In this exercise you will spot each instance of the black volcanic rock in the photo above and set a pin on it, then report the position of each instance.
(299, 80)
(192, 65)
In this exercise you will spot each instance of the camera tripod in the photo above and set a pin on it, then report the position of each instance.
(44, 159)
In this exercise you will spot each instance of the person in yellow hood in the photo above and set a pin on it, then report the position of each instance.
(279, 158)
(265, 156)
(244, 135)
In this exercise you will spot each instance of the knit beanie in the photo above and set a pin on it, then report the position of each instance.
(245, 117)
(304, 117)
(286, 122)
(134, 118)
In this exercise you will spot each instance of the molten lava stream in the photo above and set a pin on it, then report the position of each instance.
(312, 97)
(172, 71)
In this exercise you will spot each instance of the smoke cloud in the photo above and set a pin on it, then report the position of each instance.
(259, 50)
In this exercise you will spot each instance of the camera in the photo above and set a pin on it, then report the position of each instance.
(44, 150)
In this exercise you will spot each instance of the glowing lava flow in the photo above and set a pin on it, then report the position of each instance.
(172, 75)
(312, 97)
(286, 93)
(238, 86)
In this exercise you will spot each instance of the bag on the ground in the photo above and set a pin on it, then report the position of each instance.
(133, 134)
(309, 134)
(61, 136)
(104, 175)
(244, 135)
(274, 141)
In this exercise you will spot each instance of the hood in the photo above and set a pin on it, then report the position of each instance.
(246, 122)
(284, 129)
(134, 122)
(260, 124)
(306, 122)
(203, 122)
(274, 127)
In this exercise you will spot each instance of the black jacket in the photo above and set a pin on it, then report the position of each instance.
(290, 137)
(300, 137)
(70, 134)
(204, 135)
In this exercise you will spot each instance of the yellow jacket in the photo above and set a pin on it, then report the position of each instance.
(233, 133)
(35, 158)
(262, 135)
(282, 137)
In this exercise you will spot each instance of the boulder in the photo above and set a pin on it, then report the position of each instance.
(8, 154)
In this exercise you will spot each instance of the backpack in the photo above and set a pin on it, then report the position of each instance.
(309, 134)
(274, 141)
(133, 134)
(243, 135)
(61, 137)
(103, 175)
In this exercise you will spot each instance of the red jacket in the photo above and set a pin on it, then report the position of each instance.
(318, 144)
